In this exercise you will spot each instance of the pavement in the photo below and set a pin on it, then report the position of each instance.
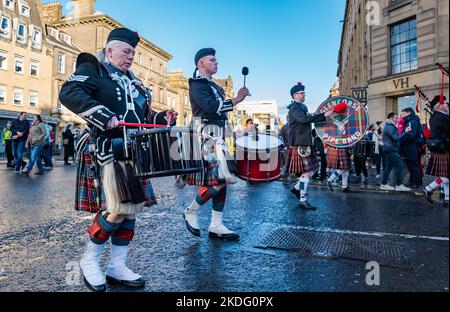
(42, 239)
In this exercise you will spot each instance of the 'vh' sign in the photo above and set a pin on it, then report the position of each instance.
(401, 83)
(360, 94)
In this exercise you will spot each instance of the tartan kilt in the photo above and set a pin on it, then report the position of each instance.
(300, 165)
(339, 158)
(438, 165)
(91, 199)
(210, 174)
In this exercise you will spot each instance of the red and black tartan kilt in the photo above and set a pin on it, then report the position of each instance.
(339, 158)
(300, 165)
(438, 165)
(89, 197)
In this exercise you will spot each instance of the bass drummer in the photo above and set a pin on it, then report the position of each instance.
(301, 158)
(210, 106)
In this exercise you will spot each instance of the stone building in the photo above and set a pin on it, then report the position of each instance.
(388, 47)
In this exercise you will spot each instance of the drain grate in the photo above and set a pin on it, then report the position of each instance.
(336, 245)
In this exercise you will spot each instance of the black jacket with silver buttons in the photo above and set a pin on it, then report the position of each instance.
(94, 93)
(208, 101)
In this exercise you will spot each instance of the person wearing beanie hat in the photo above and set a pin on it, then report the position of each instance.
(209, 109)
(103, 92)
(301, 157)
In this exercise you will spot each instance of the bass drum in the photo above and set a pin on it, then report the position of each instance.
(258, 158)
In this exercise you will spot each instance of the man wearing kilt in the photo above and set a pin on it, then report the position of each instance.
(104, 92)
(301, 157)
(438, 163)
(340, 160)
(210, 109)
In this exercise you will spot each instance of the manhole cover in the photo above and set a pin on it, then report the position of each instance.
(336, 245)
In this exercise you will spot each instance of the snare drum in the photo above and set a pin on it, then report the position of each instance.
(165, 152)
(258, 158)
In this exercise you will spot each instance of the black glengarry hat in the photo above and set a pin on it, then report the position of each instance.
(124, 35)
(297, 88)
(202, 53)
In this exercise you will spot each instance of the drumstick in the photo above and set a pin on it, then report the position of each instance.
(129, 124)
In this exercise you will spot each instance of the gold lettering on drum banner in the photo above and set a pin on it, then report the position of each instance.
(330, 104)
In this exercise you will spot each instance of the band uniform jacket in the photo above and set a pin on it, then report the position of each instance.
(96, 93)
(300, 124)
(208, 101)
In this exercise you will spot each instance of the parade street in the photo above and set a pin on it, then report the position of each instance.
(282, 248)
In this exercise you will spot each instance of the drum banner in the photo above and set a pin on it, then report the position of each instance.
(343, 129)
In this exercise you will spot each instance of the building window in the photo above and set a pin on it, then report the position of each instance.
(2, 94)
(21, 32)
(9, 4)
(67, 38)
(18, 97)
(54, 33)
(61, 63)
(5, 26)
(161, 69)
(403, 47)
(74, 64)
(140, 58)
(34, 69)
(24, 10)
(37, 38)
(18, 65)
(33, 99)
(3, 60)
(161, 96)
(151, 64)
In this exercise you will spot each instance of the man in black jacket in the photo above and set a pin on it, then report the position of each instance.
(409, 145)
(210, 107)
(302, 158)
(19, 133)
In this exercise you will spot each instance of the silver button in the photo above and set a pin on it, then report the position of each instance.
(91, 117)
(99, 111)
(117, 89)
(119, 98)
(118, 93)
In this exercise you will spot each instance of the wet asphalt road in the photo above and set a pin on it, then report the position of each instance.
(42, 239)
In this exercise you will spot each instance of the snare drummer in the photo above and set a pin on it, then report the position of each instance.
(209, 104)
(103, 93)
(301, 159)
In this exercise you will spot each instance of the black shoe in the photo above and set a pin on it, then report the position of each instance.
(230, 237)
(67, 164)
(195, 232)
(39, 173)
(428, 196)
(24, 164)
(346, 190)
(330, 186)
(296, 193)
(307, 206)
(100, 288)
(139, 283)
